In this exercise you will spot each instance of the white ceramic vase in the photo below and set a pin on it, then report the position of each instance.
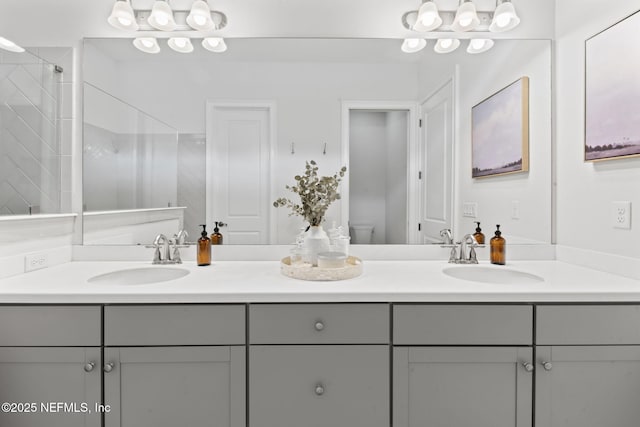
(315, 241)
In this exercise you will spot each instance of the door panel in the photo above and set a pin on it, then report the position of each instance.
(588, 386)
(462, 386)
(175, 386)
(436, 164)
(46, 376)
(238, 144)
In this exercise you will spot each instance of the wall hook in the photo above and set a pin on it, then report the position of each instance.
(324, 150)
(293, 148)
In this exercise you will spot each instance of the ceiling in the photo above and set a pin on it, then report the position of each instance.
(66, 22)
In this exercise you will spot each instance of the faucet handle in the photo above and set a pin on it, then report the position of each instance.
(176, 255)
(453, 255)
(473, 258)
(156, 256)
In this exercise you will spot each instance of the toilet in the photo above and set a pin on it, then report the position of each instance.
(361, 234)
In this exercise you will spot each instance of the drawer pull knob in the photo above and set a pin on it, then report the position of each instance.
(108, 367)
(319, 389)
(89, 366)
(547, 366)
(528, 366)
(319, 326)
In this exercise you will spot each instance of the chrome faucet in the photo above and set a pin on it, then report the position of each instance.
(467, 244)
(447, 236)
(181, 237)
(162, 253)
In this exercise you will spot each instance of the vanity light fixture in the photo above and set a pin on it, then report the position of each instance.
(161, 17)
(505, 18)
(428, 18)
(200, 17)
(446, 45)
(466, 17)
(122, 16)
(147, 44)
(214, 44)
(180, 44)
(10, 46)
(413, 45)
(479, 45)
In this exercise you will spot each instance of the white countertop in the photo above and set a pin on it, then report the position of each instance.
(261, 281)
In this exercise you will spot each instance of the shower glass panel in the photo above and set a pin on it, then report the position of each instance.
(131, 156)
(30, 152)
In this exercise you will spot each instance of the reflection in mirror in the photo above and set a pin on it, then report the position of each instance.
(30, 147)
(130, 172)
(291, 96)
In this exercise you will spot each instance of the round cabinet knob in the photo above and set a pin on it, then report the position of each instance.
(108, 367)
(88, 367)
(319, 325)
(528, 366)
(319, 389)
(547, 366)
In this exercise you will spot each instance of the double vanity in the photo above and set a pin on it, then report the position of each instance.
(408, 343)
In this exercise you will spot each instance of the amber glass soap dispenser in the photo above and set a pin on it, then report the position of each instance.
(204, 247)
(216, 237)
(498, 248)
(478, 234)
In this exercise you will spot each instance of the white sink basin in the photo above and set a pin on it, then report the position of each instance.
(498, 275)
(139, 276)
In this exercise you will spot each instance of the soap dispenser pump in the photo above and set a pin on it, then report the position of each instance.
(204, 247)
(216, 237)
(498, 248)
(478, 234)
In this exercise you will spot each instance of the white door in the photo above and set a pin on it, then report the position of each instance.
(436, 164)
(238, 176)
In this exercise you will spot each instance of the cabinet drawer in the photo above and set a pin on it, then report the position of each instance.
(319, 386)
(319, 324)
(588, 324)
(50, 326)
(167, 325)
(462, 325)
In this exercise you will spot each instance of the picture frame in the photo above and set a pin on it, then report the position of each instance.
(500, 132)
(612, 92)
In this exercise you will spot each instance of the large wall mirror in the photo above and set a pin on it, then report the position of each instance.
(175, 140)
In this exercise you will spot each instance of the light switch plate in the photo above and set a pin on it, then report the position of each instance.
(621, 215)
(470, 209)
(515, 209)
(36, 261)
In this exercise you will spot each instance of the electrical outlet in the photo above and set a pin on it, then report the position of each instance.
(515, 209)
(621, 215)
(470, 210)
(35, 261)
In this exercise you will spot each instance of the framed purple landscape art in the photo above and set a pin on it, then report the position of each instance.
(500, 132)
(612, 92)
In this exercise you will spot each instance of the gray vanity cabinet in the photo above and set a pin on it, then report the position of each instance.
(50, 366)
(462, 365)
(588, 366)
(179, 365)
(319, 365)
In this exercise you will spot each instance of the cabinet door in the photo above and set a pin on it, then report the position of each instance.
(588, 386)
(63, 383)
(319, 386)
(175, 386)
(462, 386)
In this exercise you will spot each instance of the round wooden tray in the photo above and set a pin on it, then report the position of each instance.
(308, 272)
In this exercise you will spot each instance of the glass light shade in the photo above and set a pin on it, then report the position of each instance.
(161, 17)
(479, 45)
(428, 17)
(214, 44)
(505, 18)
(122, 16)
(466, 18)
(180, 44)
(147, 44)
(200, 17)
(446, 45)
(413, 45)
(10, 46)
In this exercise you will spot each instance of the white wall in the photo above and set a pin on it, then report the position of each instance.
(508, 61)
(585, 190)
